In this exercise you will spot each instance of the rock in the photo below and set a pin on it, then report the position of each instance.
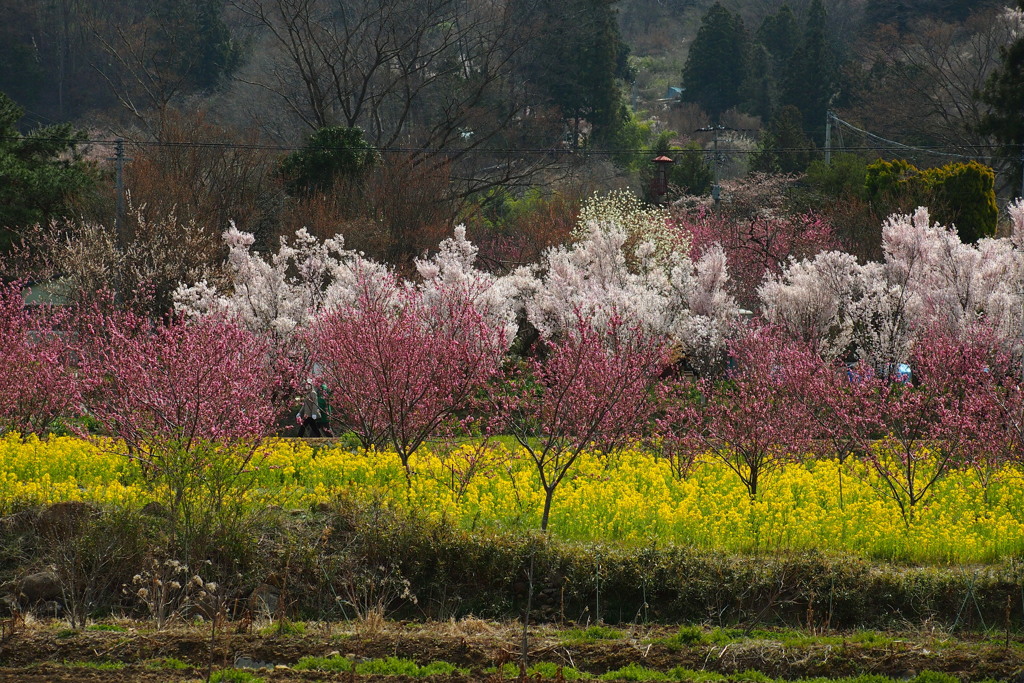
(65, 519)
(39, 587)
(265, 599)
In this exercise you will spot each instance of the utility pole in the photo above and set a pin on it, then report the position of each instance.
(1022, 170)
(828, 138)
(119, 218)
(716, 189)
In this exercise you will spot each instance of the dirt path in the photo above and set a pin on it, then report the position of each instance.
(50, 652)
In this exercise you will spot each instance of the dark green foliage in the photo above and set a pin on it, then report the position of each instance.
(811, 78)
(330, 154)
(716, 66)
(1004, 94)
(965, 196)
(779, 34)
(844, 177)
(961, 194)
(20, 70)
(691, 172)
(41, 174)
(195, 42)
(759, 89)
(784, 148)
(903, 13)
(577, 59)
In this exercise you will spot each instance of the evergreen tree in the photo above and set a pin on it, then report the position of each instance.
(811, 79)
(759, 90)
(578, 59)
(780, 34)
(330, 154)
(40, 173)
(784, 148)
(1004, 94)
(716, 65)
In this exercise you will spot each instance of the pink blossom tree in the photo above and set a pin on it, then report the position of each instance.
(934, 424)
(757, 245)
(191, 400)
(36, 386)
(751, 419)
(591, 389)
(400, 360)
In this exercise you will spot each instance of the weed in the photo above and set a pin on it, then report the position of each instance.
(683, 674)
(172, 663)
(285, 627)
(98, 666)
(934, 677)
(634, 672)
(234, 676)
(591, 634)
(335, 663)
(106, 627)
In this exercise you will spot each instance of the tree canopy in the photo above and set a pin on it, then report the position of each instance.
(41, 173)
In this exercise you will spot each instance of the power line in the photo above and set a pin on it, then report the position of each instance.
(925, 150)
(190, 144)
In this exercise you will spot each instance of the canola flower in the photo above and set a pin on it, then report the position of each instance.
(632, 497)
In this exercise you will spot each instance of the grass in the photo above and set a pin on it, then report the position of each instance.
(390, 666)
(98, 666)
(106, 627)
(335, 663)
(591, 634)
(234, 676)
(284, 628)
(168, 663)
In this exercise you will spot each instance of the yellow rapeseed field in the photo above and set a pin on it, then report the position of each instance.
(632, 497)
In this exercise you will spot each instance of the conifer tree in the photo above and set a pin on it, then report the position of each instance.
(811, 78)
(717, 63)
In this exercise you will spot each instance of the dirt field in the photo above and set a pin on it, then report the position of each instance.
(50, 652)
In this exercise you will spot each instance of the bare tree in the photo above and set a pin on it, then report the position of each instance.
(435, 77)
(920, 85)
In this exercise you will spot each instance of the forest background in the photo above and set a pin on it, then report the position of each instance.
(391, 122)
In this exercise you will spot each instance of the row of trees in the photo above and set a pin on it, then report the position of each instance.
(582, 352)
(192, 400)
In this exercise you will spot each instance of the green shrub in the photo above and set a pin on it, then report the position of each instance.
(335, 663)
(391, 666)
(234, 676)
(634, 672)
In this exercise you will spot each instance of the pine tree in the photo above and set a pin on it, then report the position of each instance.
(811, 78)
(716, 66)
(40, 173)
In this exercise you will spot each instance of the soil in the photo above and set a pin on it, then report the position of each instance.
(49, 651)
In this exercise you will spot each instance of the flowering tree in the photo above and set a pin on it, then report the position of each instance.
(935, 424)
(35, 383)
(604, 278)
(400, 360)
(928, 280)
(192, 401)
(756, 229)
(752, 420)
(592, 389)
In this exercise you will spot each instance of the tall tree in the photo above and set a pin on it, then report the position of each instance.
(811, 79)
(1004, 93)
(40, 173)
(716, 65)
(576, 60)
